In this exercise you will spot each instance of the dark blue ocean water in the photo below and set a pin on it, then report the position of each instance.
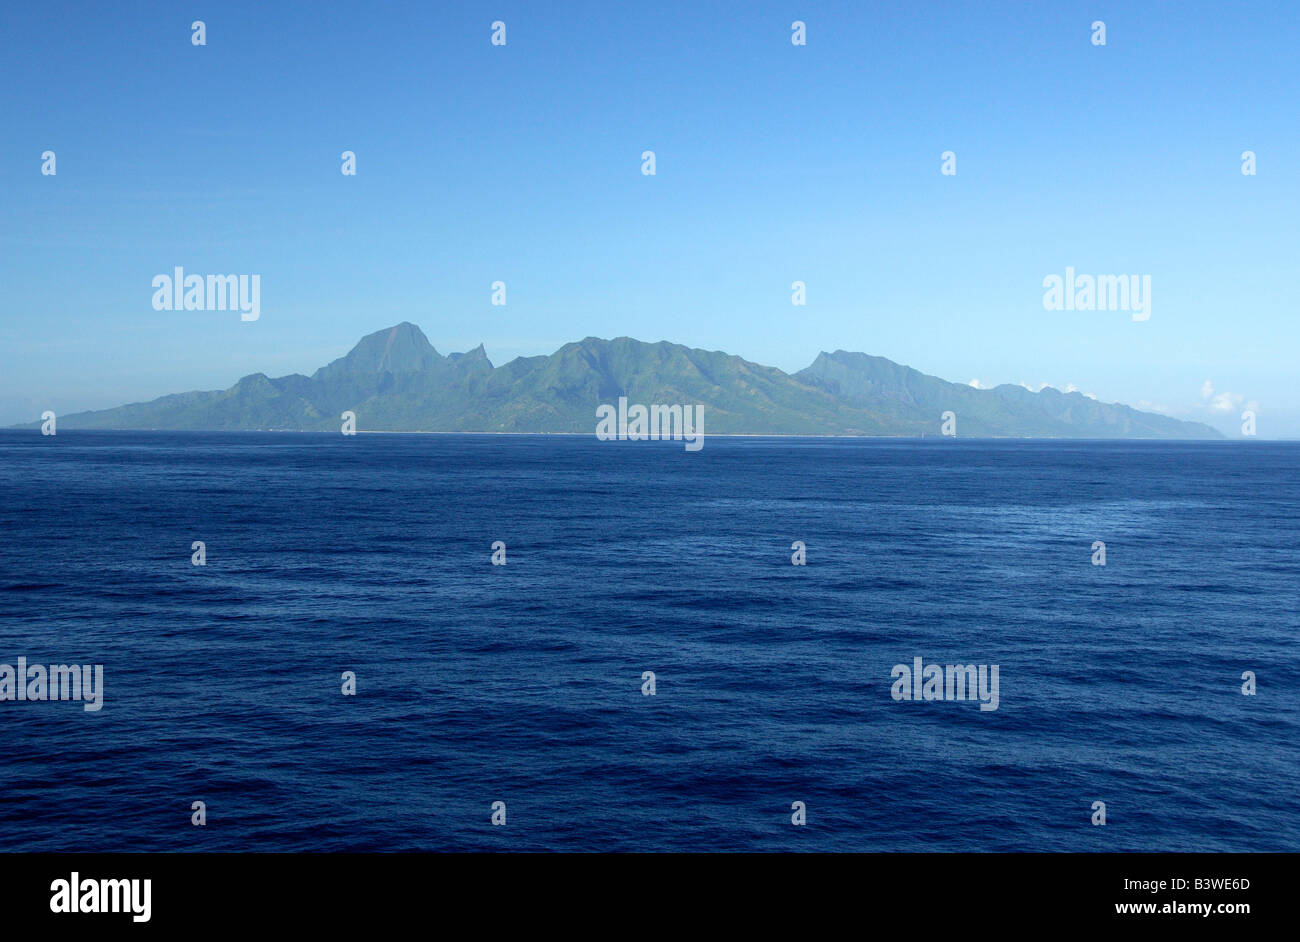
(522, 683)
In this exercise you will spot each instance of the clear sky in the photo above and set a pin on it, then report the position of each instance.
(775, 163)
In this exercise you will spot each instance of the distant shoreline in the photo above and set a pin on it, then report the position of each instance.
(35, 427)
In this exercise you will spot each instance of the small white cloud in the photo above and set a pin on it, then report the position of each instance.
(977, 384)
(1226, 401)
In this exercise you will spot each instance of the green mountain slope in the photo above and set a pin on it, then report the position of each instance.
(394, 380)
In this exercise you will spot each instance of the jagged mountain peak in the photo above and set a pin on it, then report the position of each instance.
(402, 348)
(475, 356)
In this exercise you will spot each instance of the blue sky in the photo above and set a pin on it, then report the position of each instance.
(775, 163)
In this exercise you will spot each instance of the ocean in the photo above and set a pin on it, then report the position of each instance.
(773, 683)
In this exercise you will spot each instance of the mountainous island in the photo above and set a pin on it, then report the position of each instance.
(394, 380)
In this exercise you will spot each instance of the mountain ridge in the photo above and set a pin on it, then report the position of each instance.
(396, 380)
